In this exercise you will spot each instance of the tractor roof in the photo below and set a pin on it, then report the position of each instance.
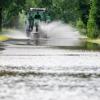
(38, 9)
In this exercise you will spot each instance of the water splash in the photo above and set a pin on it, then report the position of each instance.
(61, 34)
(58, 29)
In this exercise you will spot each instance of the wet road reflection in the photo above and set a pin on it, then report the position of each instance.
(49, 73)
(47, 87)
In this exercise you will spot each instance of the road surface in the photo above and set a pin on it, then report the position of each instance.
(48, 73)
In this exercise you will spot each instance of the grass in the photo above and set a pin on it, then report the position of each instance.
(97, 41)
(4, 38)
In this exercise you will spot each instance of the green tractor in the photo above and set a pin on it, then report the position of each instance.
(34, 17)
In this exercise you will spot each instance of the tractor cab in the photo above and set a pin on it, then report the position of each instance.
(37, 15)
(34, 17)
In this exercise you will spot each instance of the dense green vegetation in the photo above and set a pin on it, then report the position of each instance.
(91, 17)
(85, 14)
(91, 26)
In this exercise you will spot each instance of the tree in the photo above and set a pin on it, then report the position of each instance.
(13, 12)
(3, 4)
(65, 10)
(30, 4)
(83, 8)
(98, 14)
(0, 18)
(91, 25)
(13, 7)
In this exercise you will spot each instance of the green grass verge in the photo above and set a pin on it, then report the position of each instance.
(4, 38)
(97, 41)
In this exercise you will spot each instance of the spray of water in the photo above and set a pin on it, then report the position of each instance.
(58, 32)
(58, 29)
(61, 34)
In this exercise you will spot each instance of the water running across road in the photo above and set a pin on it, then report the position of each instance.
(49, 72)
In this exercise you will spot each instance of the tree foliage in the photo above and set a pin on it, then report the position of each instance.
(65, 10)
(3, 5)
(83, 7)
(92, 26)
(98, 14)
(84, 13)
(9, 9)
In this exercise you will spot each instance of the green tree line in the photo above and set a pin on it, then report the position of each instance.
(84, 13)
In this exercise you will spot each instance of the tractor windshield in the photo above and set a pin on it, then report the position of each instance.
(34, 17)
(38, 13)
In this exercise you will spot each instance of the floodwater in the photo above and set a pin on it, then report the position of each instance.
(50, 71)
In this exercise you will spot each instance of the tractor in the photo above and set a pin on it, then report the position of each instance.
(34, 17)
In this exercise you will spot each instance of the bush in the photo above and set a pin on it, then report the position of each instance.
(80, 25)
(91, 28)
(22, 19)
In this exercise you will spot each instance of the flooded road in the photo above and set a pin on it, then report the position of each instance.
(59, 68)
(48, 73)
